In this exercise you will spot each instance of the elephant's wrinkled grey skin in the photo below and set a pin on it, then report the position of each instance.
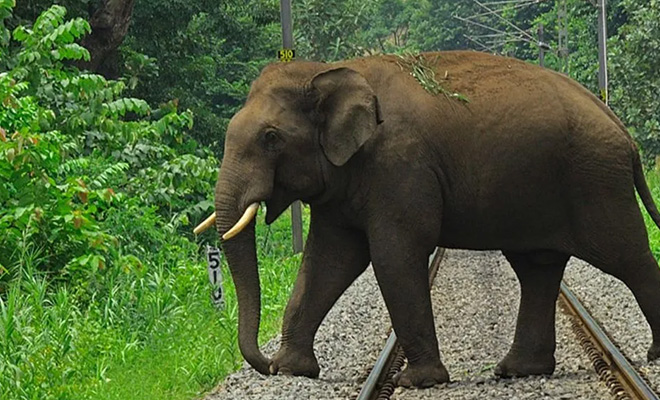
(533, 165)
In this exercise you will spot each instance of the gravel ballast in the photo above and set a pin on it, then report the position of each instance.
(613, 305)
(475, 301)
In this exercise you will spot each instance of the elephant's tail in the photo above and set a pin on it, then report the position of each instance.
(643, 188)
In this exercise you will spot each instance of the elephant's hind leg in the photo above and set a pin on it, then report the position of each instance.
(639, 271)
(533, 348)
(644, 282)
(334, 257)
(615, 241)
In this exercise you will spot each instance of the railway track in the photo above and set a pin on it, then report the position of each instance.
(624, 381)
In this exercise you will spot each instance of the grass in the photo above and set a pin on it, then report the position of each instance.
(147, 334)
(422, 70)
(653, 180)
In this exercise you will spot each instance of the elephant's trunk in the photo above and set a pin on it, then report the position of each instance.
(242, 259)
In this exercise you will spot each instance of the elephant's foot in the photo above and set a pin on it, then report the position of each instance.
(518, 365)
(422, 376)
(289, 361)
(654, 352)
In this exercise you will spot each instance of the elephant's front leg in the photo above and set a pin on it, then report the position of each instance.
(334, 257)
(400, 258)
(402, 275)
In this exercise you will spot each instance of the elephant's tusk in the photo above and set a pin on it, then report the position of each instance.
(208, 222)
(247, 217)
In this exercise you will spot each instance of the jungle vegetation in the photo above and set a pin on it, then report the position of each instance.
(111, 132)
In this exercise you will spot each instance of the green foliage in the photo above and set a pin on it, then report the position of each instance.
(433, 25)
(6, 7)
(388, 27)
(150, 332)
(99, 278)
(205, 56)
(329, 30)
(49, 34)
(61, 131)
(653, 180)
(635, 77)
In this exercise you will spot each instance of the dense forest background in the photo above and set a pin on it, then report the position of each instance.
(205, 53)
(111, 132)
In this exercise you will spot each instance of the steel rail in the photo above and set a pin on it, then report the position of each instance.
(617, 363)
(386, 359)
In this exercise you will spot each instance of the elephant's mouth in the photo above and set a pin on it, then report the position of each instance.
(274, 210)
(275, 206)
(278, 202)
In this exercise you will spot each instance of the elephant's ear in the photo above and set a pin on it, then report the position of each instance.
(349, 111)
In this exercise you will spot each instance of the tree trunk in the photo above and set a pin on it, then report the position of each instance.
(109, 24)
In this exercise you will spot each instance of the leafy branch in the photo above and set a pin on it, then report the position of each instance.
(422, 70)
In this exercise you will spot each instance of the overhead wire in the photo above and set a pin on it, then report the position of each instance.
(498, 37)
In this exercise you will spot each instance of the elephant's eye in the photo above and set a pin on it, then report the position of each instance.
(271, 140)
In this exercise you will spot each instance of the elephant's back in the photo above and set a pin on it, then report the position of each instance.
(526, 138)
(478, 91)
(478, 76)
(475, 75)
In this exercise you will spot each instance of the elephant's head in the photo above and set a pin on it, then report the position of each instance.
(300, 124)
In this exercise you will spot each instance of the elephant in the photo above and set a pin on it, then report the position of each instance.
(502, 155)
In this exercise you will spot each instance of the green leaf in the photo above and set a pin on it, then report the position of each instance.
(21, 33)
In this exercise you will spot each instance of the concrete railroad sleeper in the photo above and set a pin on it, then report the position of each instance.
(622, 379)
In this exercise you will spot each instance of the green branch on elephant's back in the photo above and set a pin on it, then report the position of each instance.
(422, 70)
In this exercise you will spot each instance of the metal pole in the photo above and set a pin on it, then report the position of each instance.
(296, 226)
(602, 50)
(287, 24)
(562, 22)
(287, 43)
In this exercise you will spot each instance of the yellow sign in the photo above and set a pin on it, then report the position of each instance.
(286, 55)
(603, 95)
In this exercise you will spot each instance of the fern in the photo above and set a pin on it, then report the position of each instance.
(71, 51)
(51, 37)
(68, 32)
(49, 19)
(120, 107)
(102, 180)
(29, 57)
(89, 82)
(73, 166)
